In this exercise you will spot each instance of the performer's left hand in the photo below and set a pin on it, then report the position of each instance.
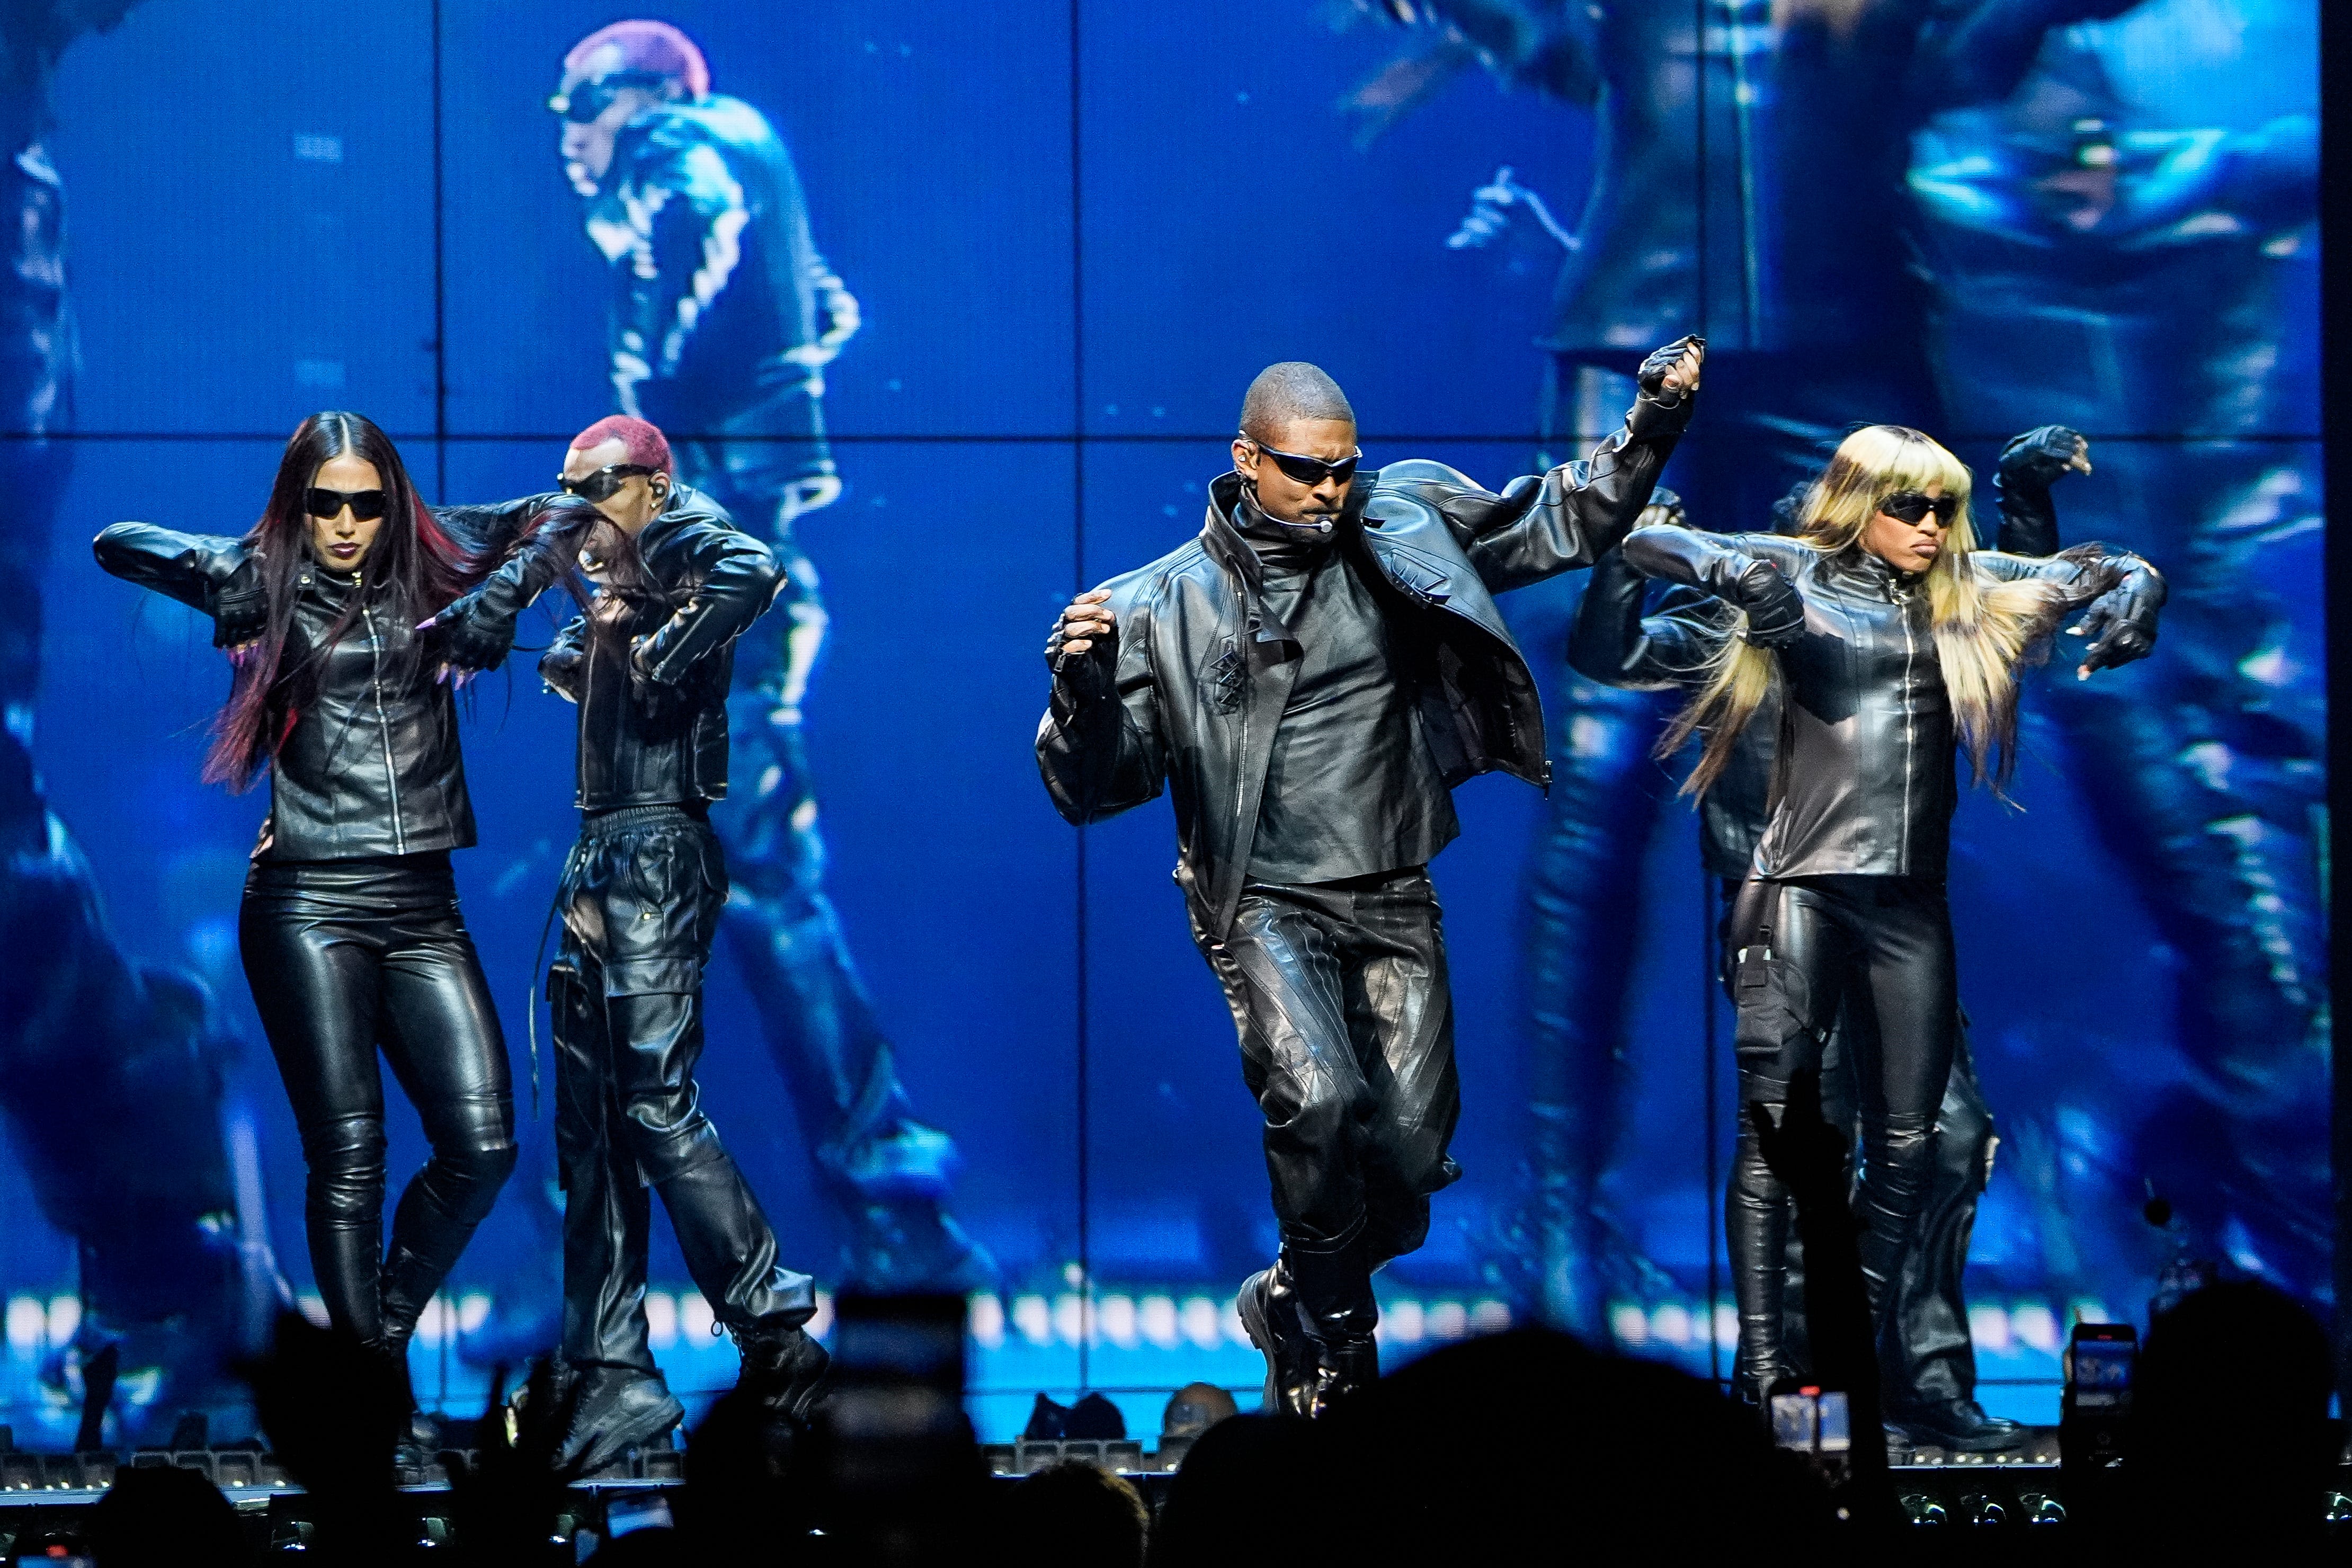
(2120, 627)
(1673, 369)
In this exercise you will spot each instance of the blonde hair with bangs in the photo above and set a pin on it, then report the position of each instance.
(1983, 628)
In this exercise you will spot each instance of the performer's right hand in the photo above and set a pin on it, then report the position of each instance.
(1088, 620)
(1776, 616)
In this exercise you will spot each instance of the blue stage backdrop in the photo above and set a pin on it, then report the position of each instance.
(1071, 234)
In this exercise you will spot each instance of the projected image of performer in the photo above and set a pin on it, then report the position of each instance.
(1889, 640)
(724, 317)
(2133, 246)
(1312, 675)
(1742, 144)
(113, 1069)
(649, 663)
(1929, 1378)
(350, 929)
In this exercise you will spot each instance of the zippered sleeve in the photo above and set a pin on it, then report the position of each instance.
(206, 571)
(1540, 526)
(739, 579)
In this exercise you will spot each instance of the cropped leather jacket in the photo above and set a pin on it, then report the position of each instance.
(371, 765)
(650, 671)
(1188, 691)
(1614, 642)
(1864, 783)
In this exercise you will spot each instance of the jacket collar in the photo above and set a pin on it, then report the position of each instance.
(1222, 536)
(1858, 569)
(679, 514)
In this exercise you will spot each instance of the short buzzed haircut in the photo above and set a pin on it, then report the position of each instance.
(1291, 390)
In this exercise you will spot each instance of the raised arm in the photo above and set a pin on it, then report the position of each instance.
(2124, 593)
(206, 571)
(1613, 642)
(1540, 526)
(1751, 572)
(2030, 465)
(540, 537)
(1098, 746)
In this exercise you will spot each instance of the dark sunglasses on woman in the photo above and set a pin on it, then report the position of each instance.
(366, 505)
(1910, 506)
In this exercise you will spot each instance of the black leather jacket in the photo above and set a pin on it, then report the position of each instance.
(372, 764)
(1189, 689)
(1863, 784)
(1613, 642)
(651, 673)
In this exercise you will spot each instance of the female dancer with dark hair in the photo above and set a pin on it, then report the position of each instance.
(349, 931)
(1892, 639)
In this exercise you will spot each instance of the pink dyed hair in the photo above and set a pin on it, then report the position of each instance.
(645, 445)
(655, 47)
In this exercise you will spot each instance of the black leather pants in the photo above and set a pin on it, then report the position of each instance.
(640, 902)
(1883, 944)
(345, 956)
(1339, 996)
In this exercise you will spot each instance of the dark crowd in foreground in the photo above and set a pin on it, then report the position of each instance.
(1525, 1446)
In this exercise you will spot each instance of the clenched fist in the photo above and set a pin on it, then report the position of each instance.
(1088, 621)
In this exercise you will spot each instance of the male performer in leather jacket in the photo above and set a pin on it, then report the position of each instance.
(649, 664)
(724, 318)
(1312, 675)
(1930, 1369)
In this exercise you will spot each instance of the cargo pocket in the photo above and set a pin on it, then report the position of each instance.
(1773, 1004)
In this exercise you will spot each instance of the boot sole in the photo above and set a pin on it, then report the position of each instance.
(610, 1442)
(1251, 1308)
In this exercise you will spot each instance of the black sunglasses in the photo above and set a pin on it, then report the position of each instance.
(1309, 471)
(600, 484)
(1911, 506)
(366, 505)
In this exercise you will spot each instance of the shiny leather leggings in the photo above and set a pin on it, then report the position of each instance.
(1802, 950)
(345, 957)
(1338, 993)
(1929, 1358)
(640, 902)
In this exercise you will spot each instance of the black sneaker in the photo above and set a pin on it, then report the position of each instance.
(1272, 1321)
(1957, 1425)
(619, 1408)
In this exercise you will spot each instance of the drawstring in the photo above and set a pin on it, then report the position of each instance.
(538, 963)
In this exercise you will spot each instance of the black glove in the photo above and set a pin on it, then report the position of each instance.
(467, 635)
(241, 606)
(2120, 626)
(1084, 676)
(558, 667)
(655, 699)
(1776, 614)
(1652, 376)
(2040, 457)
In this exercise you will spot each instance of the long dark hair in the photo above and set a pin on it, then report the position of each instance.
(416, 566)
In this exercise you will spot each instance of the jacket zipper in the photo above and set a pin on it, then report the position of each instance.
(1903, 849)
(383, 728)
